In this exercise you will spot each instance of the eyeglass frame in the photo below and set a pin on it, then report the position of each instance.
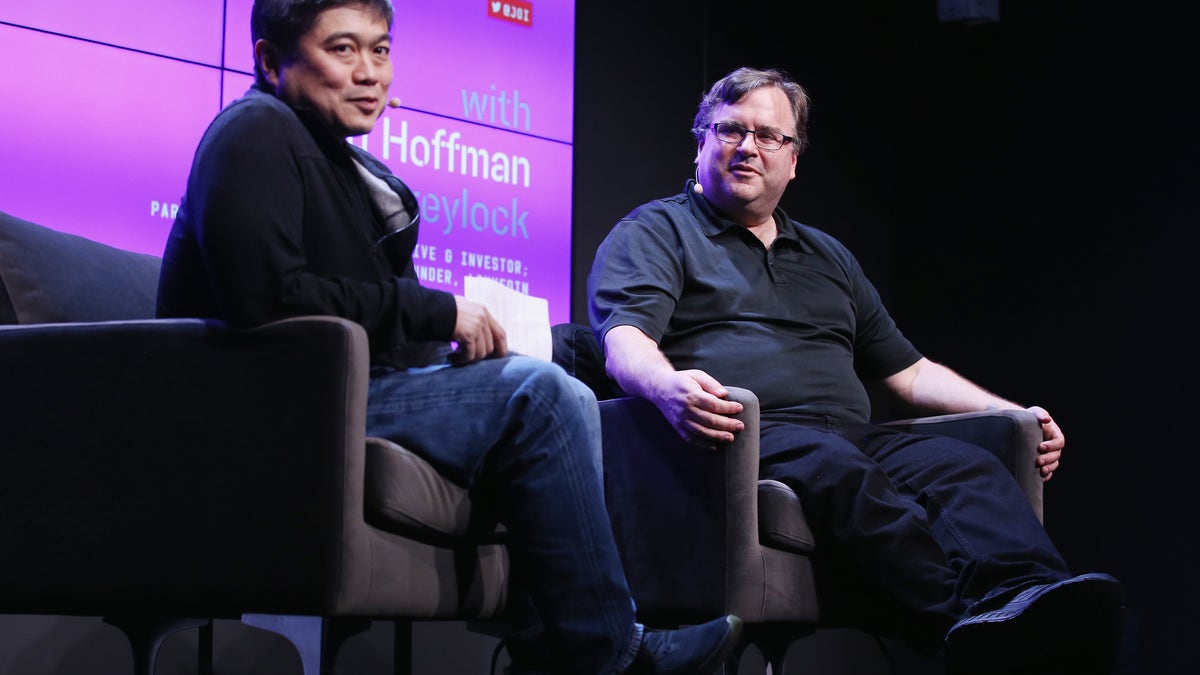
(749, 132)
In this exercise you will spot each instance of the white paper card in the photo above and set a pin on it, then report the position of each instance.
(525, 318)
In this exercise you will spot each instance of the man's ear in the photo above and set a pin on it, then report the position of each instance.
(267, 57)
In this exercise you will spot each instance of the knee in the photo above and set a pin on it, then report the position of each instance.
(549, 398)
(961, 462)
(983, 461)
(547, 386)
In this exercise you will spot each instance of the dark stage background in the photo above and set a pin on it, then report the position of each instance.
(1020, 191)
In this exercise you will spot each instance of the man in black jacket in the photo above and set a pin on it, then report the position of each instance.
(282, 217)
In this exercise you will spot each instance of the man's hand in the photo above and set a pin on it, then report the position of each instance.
(691, 400)
(1051, 447)
(694, 403)
(477, 333)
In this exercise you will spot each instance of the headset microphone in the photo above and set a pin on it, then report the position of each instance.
(394, 102)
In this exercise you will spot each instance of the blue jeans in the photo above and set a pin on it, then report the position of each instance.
(914, 528)
(528, 434)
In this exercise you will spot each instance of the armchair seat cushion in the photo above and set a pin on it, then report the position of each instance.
(781, 521)
(405, 495)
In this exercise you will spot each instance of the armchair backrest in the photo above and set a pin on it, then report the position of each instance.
(48, 276)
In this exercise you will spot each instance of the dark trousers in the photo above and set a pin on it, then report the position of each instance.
(911, 529)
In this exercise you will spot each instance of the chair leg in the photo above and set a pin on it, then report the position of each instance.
(316, 638)
(204, 650)
(402, 648)
(147, 633)
(775, 655)
(773, 642)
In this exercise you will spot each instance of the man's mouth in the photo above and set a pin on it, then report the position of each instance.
(366, 104)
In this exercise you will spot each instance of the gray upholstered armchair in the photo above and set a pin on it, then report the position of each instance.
(161, 474)
(701, 535)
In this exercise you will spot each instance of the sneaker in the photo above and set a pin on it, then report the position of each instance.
(696, 650)
(1069, 626)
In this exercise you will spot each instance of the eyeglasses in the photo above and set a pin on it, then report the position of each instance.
(729, 132)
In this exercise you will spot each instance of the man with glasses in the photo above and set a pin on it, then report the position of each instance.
(926, 538)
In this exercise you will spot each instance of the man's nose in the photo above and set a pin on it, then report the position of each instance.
(367, 70)
(748, 146)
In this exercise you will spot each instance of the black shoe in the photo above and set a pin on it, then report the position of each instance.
(696, 650)
(1069, 626)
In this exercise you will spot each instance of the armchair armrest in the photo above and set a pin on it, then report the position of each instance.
(1012, 435)
(674, 506)
(139, 455)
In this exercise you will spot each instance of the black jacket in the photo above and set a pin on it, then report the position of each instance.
(277, 222)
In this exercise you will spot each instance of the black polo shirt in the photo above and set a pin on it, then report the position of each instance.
(798, 324)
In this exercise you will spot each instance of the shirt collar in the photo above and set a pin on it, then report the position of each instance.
(713, 223)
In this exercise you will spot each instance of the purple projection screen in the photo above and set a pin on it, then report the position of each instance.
(104, 104)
